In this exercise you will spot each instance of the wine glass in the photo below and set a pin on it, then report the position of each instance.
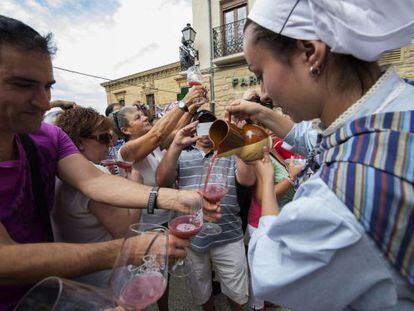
(139, 276)
(185, 226)
(194, 77)
(213, 186)
(116, 165)
(55, 293)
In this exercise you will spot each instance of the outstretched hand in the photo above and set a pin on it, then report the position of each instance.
(186, 198)
(186, 136)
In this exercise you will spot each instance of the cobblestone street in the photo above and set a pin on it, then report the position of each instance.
(180, 299)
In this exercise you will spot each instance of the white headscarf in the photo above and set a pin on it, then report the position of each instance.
(362, 28)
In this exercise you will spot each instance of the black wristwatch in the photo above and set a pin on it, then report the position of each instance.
(182, 105)
(152, 200)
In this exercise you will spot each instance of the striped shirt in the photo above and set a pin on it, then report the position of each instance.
(189, 168)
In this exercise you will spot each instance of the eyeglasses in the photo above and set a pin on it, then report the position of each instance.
(104, 138)
(117, 121)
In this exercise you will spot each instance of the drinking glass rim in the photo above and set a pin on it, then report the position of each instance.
(135, 227)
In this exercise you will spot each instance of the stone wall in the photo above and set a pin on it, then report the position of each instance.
(226, 91)
(406, 67)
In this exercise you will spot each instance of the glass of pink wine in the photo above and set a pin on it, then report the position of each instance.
(194, 78)
(139, 276)
(186, 226)
(213, 186)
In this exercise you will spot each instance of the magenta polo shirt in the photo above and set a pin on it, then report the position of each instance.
(18, 212)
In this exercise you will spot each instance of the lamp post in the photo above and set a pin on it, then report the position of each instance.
(188, 54)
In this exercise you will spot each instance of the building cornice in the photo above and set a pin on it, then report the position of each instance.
(144, 76)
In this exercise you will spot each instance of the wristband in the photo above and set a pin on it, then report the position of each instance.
(152, 200)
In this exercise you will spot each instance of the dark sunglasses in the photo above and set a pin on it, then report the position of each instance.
(104, 138)
(115, 114)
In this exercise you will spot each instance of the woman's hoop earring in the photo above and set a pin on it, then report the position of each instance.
(314, 71)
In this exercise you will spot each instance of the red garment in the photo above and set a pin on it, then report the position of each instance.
(277, 147)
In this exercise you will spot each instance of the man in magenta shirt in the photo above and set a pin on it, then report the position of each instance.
(26, 77)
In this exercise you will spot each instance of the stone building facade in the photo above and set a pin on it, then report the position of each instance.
(219, 42)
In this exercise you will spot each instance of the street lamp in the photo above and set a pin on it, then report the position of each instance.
(188, 34)
(188, 54)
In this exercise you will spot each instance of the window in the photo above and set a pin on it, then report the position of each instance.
(392, 57)
(234, 16)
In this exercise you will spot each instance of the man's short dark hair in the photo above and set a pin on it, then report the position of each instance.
(110, 108)
(203, 116)
(20, 35)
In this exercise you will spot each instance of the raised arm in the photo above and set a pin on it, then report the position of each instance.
(265, 176)
(166, 171)
(194, 93)
(138, 149)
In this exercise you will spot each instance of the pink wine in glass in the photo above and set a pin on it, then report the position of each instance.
(214, 193)
(193, 83)
(127, 166)
(184, 227)
(108, 163)
(142, 291)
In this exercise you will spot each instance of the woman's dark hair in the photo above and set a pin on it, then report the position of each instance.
(347, 68)
(20, 35)
(81, 122)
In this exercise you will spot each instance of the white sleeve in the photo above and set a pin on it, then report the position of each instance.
(302, 137)
(315, 256)
(103, 169)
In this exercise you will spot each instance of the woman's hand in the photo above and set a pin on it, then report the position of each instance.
(242, 109)
(264, 169)
(294, 169)
(196, 92)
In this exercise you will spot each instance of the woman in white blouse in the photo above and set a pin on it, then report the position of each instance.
(346, 241)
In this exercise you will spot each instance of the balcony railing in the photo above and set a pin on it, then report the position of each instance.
(228, 39)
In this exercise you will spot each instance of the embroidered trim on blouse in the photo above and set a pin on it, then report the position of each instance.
(340, 121)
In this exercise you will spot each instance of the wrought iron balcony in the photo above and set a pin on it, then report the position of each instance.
(228, 39)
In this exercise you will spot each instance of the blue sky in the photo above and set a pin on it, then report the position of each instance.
(108, 38)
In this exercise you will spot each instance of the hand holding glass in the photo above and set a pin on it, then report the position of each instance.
(139, 276)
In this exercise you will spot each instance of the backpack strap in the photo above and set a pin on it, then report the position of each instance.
(37, 182)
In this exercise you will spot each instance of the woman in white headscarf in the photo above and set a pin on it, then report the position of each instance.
(346, 241)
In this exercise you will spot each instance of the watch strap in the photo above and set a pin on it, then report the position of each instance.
(152, 200)
(183, 106)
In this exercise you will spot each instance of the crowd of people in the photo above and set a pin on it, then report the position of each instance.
(329, 209)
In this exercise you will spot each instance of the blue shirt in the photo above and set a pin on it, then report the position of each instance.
(189, 169)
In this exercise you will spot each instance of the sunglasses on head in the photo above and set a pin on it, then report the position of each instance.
(104, 138)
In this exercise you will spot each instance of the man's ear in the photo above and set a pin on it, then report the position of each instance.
(313, 51)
